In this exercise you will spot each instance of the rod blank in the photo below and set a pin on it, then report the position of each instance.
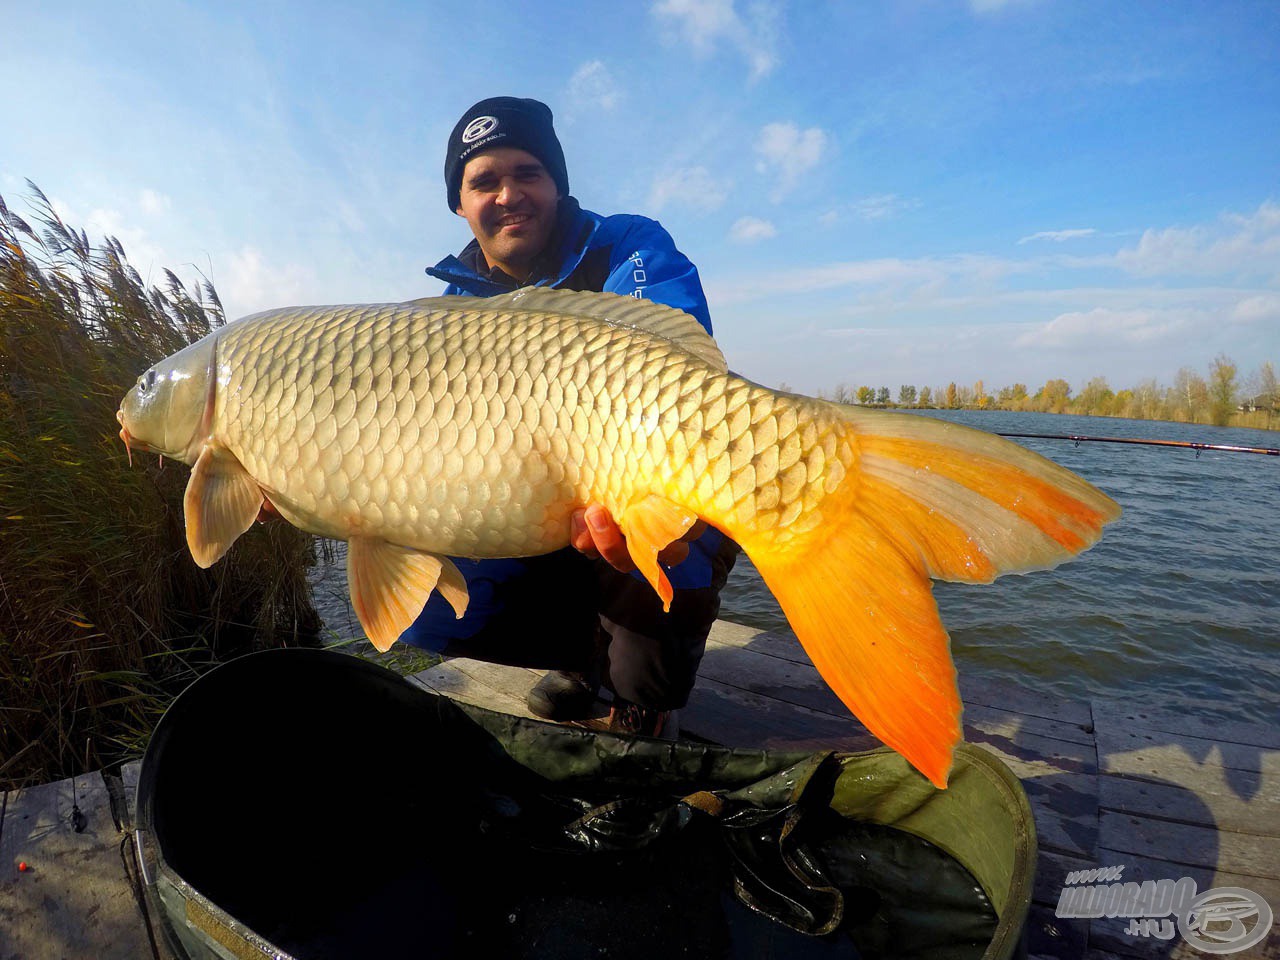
(1189, 444)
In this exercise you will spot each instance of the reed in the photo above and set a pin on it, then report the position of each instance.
(103, 615)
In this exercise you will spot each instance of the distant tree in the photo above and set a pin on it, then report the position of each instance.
(1145, 404)
(1053, 396)
(1013, 398)
(953, 399)
(907, 395)
(926, 396)
(1260, 388)
(1095, 399)
(1222, 390)
(882, 395)
(1190, 395)
(1122, 402)
(843, 394)
(866, 395)
(979, 395)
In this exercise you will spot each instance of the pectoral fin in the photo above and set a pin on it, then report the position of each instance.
(390, 585)
(650, 526)
(221, 502)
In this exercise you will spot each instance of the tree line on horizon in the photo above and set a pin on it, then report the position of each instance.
(1222, 398)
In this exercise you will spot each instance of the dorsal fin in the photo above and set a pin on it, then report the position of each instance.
(656, 318)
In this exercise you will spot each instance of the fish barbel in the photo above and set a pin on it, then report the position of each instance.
(457, 426)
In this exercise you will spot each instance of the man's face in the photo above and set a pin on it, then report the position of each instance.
(509, 200)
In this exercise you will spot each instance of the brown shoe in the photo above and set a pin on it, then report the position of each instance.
(633, 720)
(562, 696)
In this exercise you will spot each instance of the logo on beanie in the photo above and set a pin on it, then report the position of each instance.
(479, 127)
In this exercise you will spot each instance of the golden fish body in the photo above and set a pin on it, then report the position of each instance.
(475, 433)
(463, 427)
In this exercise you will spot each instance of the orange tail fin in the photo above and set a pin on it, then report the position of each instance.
(923, 499)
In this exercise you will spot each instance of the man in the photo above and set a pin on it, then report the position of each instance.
(582, 612)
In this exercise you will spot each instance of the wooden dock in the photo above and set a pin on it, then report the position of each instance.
(1164, 796)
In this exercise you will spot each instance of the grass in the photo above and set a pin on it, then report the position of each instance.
(103, 615)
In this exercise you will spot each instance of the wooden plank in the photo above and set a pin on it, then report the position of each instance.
(784, 645)
(1125, 716)
(998, 720)
(75, 900)
(739, 718)
(1028, 702)
(775, 643)
(790, 681)
(1066, 813)
(1245, 854)
(485, 685)
(1171, 763)
(1052, 869)
(1169, 801)
(1029, 755)
(1245, 758)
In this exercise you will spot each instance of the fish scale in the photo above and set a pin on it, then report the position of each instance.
(272, 436)
(458, 427)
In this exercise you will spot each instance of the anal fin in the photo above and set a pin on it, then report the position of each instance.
(651, 525)
(221, 502)
(390, 585)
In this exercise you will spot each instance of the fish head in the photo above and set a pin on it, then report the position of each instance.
(169, 410)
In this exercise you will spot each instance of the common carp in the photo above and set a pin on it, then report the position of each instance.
(456, 426)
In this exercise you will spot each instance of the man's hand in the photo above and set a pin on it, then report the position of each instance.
(593, 532)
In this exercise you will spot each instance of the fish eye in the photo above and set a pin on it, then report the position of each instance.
(147, 381)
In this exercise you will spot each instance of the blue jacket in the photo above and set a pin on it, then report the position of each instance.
(624, 254)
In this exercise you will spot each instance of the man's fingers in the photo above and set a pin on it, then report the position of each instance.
(580, 537)
(594, 533)
(608, 539)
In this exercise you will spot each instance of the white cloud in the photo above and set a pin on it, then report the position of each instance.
(592, 85)
(882, 206)
(1264, 308)
(751, 230)
(705, 24)
(788, 153)
(153, 204)
(1236, 245)
(248, 283)
(1058, 236)
(1100, 327)
(994, 6)
(140, 250)
(692, 187)
(887, 280)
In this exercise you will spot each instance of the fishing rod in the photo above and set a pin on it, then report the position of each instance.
(1189, 444)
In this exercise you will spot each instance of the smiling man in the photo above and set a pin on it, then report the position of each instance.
(583, 612)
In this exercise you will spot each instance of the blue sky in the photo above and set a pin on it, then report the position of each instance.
(892, 193)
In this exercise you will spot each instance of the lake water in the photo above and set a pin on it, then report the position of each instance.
(1177, 607)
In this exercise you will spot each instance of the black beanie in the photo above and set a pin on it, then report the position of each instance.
(503, 122)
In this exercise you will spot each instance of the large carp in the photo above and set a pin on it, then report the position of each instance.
(457, 426)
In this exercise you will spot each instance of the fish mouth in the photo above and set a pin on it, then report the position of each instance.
(131, 443)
